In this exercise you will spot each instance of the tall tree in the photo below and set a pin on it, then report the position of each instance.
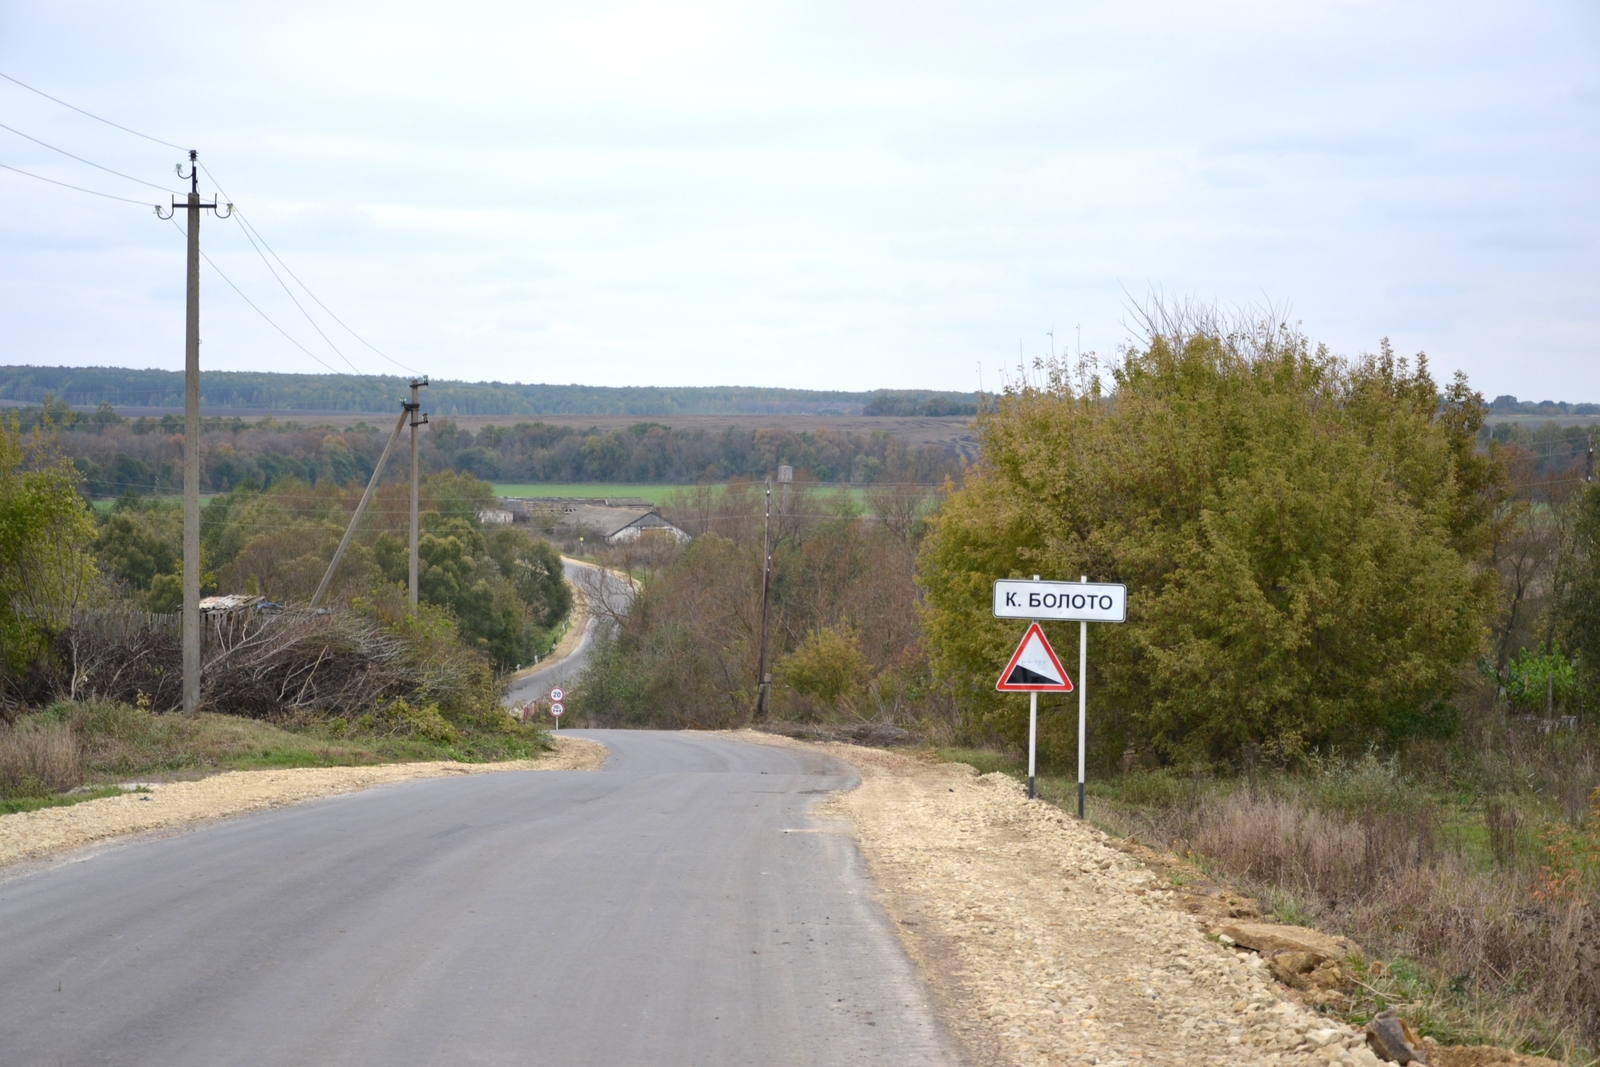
(45, 532)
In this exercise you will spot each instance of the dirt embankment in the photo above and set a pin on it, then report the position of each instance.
(32, 834)
(1046, 943)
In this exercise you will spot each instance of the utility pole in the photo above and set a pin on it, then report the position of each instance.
(763, 679)
(191, 436)
(413, 407)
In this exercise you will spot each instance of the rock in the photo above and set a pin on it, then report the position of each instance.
(1328, 975)
(1391, 1039)
(1271, 938)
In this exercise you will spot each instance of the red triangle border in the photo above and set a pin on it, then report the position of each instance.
(1002, 685)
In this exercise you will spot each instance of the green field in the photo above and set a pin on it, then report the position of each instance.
(655, 494)
(103, 505)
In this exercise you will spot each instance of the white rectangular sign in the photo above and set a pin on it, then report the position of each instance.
(1018, 598)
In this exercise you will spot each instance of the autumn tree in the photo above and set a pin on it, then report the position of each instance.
(1304, 540)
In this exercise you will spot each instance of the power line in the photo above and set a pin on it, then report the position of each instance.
(78, 188)
(258, 311)
(90, 114)
(80, 159)
(290, 293)
(250, 227)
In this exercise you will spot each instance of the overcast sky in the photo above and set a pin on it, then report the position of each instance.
(819, 195)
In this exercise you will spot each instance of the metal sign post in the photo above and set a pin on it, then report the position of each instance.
(1083, 692)
(1080, 602)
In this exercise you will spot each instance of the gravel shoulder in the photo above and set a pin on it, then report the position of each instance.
(34, 834)
(1046, 942)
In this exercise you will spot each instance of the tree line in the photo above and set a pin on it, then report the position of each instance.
(267, 391)
(144, 456)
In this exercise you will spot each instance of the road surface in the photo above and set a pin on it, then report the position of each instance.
(678, 907)
(613, 595)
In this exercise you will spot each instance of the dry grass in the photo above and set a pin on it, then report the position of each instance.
(38, 759)
(1505, 962)
(1479, 951)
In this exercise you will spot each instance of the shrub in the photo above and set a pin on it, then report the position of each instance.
(1301, 536)
(827, 667)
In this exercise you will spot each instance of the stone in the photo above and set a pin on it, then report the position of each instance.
(1391, 1039)
(1271, 938)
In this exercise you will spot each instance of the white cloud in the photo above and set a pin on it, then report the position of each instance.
(821, 194)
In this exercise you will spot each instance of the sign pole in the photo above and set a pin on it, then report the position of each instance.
(1033, 730)
(1083, 698)
(1033, 735)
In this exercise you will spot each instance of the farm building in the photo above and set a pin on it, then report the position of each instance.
(614, 521)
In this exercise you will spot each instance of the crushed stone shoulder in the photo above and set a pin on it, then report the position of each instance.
(1045, 944)
(33, 834)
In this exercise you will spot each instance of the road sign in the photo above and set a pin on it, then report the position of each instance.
(1018, 598)
(1034, 667)
(557, 694)
(556, 709)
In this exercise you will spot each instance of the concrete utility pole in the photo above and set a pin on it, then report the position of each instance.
(763, 679)
(191, 437)
(413, 407)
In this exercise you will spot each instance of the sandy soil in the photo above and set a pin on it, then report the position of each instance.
(1046, 944)
(32, 834)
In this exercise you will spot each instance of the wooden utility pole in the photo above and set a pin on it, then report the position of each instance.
(763, 679)
(191, 436)
(413, 407)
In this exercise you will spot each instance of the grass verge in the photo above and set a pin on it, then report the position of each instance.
(11, 807)
(46, 754)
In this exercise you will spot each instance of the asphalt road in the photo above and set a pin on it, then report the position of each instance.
(661, 911)
(613, 596)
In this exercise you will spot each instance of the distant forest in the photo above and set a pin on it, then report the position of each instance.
(87, 387)
(1510, 405)
(144, 456)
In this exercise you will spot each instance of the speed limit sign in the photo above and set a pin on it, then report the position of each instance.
(558, 694)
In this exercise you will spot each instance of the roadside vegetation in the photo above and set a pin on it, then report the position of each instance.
(1363, 642)
(90, 660)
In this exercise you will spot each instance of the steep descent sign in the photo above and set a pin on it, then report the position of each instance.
(1034, 667)
(1017, 598)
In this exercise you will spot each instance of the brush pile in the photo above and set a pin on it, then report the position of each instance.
(297, 665)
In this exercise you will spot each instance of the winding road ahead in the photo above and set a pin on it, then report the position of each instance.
(677, 907)
(609, 595)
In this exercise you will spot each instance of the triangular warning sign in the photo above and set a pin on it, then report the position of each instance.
(1034, 668)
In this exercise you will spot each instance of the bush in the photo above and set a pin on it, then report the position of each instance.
(1302, 538)
(827, 667)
